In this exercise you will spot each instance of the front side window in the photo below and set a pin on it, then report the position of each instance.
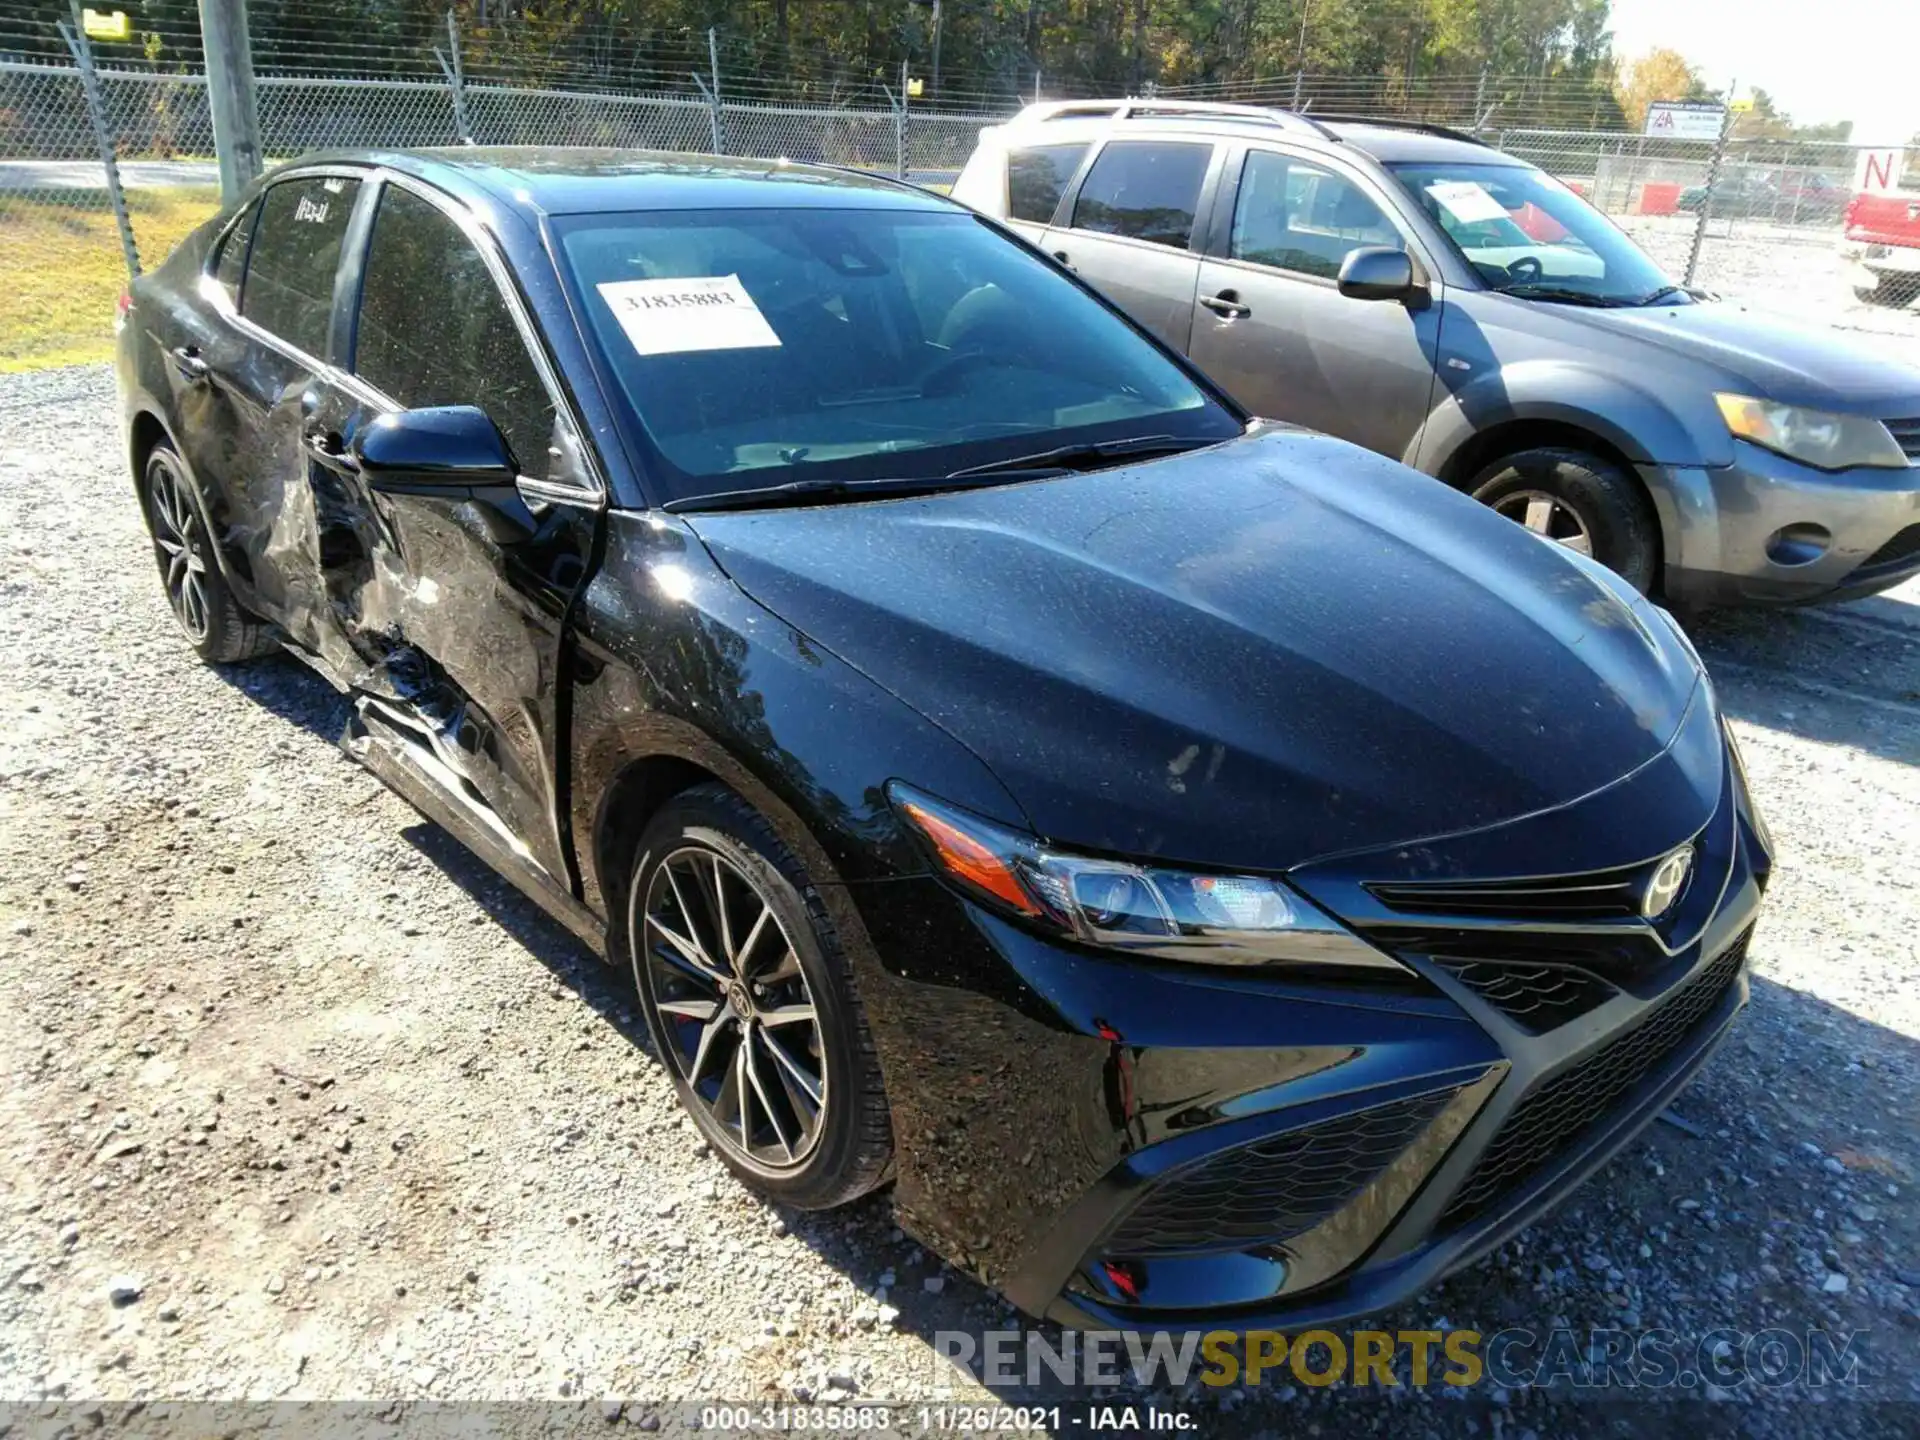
(230, 263)
(758, 347)
(1298, 216)
(1147, 189)
(295, 256)
(1037, 178)
(434, 328)
(1526, 233)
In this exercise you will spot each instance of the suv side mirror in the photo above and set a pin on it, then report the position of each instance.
(433, 450)
(1379, 272)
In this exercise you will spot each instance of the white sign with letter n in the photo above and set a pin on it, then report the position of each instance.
(1878, 171)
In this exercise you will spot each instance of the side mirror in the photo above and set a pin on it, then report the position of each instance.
(1379, 272)
(433, 450)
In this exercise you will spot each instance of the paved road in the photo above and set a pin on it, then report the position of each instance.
(91, 175)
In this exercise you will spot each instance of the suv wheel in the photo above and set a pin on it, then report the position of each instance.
(1580, 501)
(751, 1004)
(216, 625)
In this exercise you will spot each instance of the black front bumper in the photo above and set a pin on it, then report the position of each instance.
(1119, 1145)
(1434, 1250)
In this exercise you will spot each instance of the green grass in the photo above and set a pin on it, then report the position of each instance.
(61, 270)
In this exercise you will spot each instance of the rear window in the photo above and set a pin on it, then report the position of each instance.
(1037, 178)
(230, 264)
(296, 253)
(755, 347)
(1146, 189)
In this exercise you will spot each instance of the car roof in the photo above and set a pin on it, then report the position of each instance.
(558, 180)
(1385, 139)
(1392, 145)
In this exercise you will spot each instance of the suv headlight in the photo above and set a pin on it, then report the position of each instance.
(1813, 437)
(1142, 909)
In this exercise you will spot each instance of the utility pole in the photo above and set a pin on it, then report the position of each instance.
(1300, 59)
(230, 93)
(936, 46)
(1139, 46)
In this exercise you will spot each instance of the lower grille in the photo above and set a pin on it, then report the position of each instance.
(1902, 546)
(1558, 1113)
(1906, 434)
(1538, 997)
(1275, 1189)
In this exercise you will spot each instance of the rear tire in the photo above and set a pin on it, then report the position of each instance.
(214, 622)
(1582, 500)
(768, 978)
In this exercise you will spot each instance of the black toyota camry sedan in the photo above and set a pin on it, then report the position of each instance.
(1213, 873)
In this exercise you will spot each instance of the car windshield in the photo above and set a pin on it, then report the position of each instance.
(1525, 232)
(762, 348)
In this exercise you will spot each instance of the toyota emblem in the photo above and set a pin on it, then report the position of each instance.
(1669, 878)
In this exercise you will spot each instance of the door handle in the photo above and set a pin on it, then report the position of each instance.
(1227, 305)
(1061, 256)
(188, 361)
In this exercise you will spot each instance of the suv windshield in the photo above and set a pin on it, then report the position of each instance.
(759, 348)
(1525, 232)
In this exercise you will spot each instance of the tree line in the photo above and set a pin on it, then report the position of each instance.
(1454, 59)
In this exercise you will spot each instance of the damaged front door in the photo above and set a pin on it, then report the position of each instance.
(466, 596)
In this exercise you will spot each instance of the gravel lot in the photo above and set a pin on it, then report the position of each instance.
(344, 1117)
(1792, 270)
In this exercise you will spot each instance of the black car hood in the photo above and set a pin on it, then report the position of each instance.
(1277, 649)
(1777, 358)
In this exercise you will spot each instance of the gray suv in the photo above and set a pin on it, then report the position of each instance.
(1414, 291)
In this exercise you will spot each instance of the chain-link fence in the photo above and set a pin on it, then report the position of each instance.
(61, 255)
(1773, 209)
(1763, 224)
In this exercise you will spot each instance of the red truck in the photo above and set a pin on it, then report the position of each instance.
(1883, 245)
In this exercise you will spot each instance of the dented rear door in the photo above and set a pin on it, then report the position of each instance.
(257, 371)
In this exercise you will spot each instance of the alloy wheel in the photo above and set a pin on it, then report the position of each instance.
(179, 545)
(742, 1028)
(1547, 516)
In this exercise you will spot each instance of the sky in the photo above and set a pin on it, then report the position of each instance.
(1821, 60)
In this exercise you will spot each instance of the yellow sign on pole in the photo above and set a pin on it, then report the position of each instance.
(916, 87)
(1740, 107)
(106, 24)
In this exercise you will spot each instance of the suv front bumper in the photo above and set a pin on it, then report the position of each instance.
(1769, 530)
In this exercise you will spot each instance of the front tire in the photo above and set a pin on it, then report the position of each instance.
(752, 1006)
(219, 629)
(1580, 501)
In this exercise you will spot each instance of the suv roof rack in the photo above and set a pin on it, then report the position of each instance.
(1389, 122)
(1134, 108)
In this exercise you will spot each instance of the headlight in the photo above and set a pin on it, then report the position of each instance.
(1813, 437)
(1147, 910)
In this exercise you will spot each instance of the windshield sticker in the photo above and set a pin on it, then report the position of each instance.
(668, 317)
(1466, 201)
